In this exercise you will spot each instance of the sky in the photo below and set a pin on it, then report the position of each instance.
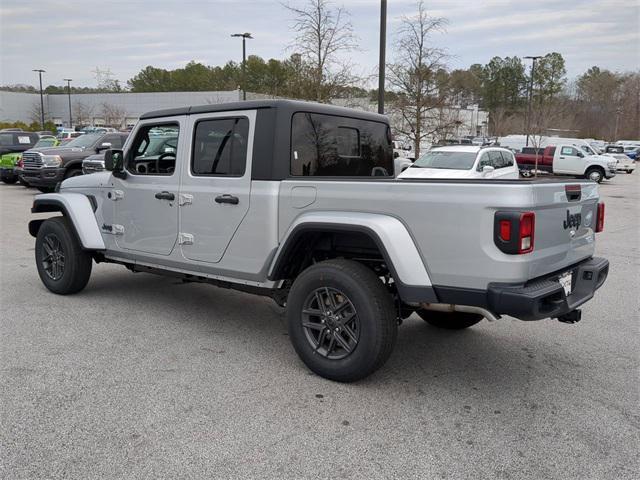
(70, 38)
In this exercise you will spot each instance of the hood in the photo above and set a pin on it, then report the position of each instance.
(95, 180)
(415, 172)
(59, 150)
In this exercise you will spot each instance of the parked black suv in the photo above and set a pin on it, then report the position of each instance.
(43, 168)
(12, 144)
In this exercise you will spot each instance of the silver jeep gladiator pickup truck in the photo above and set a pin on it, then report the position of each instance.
(297, 201)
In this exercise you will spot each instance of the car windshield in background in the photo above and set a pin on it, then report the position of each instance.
(84, 141)
(444, 159)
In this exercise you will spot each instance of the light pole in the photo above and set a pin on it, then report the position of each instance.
(383, 46)
(533, 71)
(244, 60)
(68, 80)
(40, 72)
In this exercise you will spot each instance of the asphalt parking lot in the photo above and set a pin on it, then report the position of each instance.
(141, 376)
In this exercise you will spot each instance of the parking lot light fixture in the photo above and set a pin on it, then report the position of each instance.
(69, 80)
(244, 36)
(40, 72)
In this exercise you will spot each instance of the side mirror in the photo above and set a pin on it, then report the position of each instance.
(408, 148)
(103, 146)
(581, 155)
(113, 161)
(487, 169)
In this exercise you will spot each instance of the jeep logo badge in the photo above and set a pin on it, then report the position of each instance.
(572, 221)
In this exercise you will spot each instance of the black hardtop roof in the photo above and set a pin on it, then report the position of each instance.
(287, 105)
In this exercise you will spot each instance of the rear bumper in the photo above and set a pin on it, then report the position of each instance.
(43, 177)
(544, 297)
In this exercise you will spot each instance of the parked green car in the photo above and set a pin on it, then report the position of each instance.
(12, 144)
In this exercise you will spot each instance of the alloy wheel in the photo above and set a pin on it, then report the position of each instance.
(53, 257)
(331, 324)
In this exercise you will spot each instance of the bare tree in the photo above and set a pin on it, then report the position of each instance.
(322, 34)
(545, 116)
(414, 76)
(82, 113)
(35, 113)
(113, 115)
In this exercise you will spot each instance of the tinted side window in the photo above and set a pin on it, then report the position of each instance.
(484, 160)
(114, 140)
(220, 147)
(154, 150)
(496, 159)
(332, 146)
(507, 159)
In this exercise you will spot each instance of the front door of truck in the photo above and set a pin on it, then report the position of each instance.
(146, 200)
(216, 183)
(568, 159)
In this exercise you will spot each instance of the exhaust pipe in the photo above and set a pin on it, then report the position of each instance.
(449, 308)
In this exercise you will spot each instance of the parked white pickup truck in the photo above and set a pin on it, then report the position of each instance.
(297, 201)
(564, 159)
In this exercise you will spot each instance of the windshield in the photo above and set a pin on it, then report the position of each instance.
(444, 159)
(84, 141)
(46, 142)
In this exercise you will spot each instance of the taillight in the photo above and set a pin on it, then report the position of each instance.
(505, 230)
(527, 231)
(600, 218)
(513, 232)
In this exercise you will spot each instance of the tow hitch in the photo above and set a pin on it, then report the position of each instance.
(574, 316)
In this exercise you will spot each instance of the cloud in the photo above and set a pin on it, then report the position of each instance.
(68, 39)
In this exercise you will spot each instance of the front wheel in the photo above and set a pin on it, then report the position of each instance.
(63, 266)
(9, 180)
(341, 319)
(596, 174)
(450, 321)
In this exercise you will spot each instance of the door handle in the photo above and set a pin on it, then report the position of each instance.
(562, 158)
(227, 199)
(165, 196)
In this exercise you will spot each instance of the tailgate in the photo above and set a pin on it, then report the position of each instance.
(564, 226)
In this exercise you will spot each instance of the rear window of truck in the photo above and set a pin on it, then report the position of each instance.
(332, 146)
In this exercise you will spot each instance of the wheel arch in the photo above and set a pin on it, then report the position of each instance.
(387, 233)
(78, 208)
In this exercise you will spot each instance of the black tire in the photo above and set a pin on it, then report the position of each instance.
(72, 273)
(595, 173)
(72, 172)
(450, 321)
(46, 189)
(371, 336)
(9, 180)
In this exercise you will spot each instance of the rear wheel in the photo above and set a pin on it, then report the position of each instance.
(595, 173)
(341, 320)
(450, 321)
(63, 266)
